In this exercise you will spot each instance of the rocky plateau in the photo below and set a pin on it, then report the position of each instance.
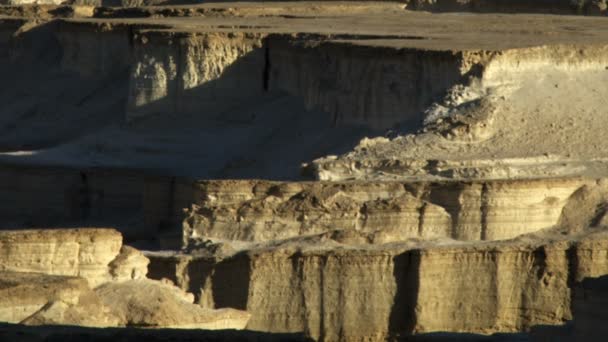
(416, 170)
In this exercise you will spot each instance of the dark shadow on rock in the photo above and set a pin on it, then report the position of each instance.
(231, 279)
(567, 7)
(590, 311)
(465, 337)
(16, 332)
(239, 126)
(403, 313)
(242, 124)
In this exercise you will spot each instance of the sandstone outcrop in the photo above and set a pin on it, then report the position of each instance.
(397, 289)
(36, 298)
(151, 303)
(332, 171)
(389, 211)
(84, 277)
(85, 253)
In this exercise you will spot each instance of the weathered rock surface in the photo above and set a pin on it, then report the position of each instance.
(71, 262)
(130, 264)
(388, 211)
(433, 137)
(324, 287)
(150, 303)
(71, 252)
(35, 298)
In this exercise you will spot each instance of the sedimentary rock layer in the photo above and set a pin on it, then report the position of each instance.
(70, 252)
(31, 296)
(326, 291)
(84, 277)
(387, 211)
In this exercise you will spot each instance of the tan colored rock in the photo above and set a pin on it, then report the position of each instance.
(36, 299)
(129, 264)
(275, 210)
(326, 287)
(169, 68)
(483, 210)
(70, 252)
(153, 303)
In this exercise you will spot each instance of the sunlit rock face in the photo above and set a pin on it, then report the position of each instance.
(328, 171)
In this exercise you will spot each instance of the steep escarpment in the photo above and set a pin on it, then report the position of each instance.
(354, 87)
(96, 51)
(459, 162)
(143, 88)
(184, 75)
(62, 197)
(396, 289)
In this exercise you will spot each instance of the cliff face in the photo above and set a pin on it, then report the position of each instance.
(74, 197)
(83, 277)
(396, 290)
(460, 165)
(193, 74)
(345, 82)
(85, 253)
(387, 211)
(94, 51)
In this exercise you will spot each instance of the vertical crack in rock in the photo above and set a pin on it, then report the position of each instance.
(484, 211)
(421, 211)
(403, 320)
(322, 332)
(572, 256)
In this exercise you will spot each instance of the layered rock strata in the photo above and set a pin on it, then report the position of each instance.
(388, 211)
(326, 288)
(69, 252)
(83, 277)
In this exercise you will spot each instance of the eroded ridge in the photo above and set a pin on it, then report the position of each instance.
(328, 171)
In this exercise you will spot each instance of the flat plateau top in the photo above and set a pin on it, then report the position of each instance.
(367, 23)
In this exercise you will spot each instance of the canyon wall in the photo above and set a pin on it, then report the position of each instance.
(348, 83)
(95, 50)
(84, 253)
(144, 206)
(194, 74)
(36, 196)
(397, 291)
(387, 211)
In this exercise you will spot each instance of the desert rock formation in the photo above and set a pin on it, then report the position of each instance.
(83, 277)
(326, 171)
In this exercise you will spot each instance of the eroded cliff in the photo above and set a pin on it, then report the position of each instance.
(459, 169)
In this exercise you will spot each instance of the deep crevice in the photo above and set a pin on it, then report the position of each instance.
(484, 212)
(421, 219)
